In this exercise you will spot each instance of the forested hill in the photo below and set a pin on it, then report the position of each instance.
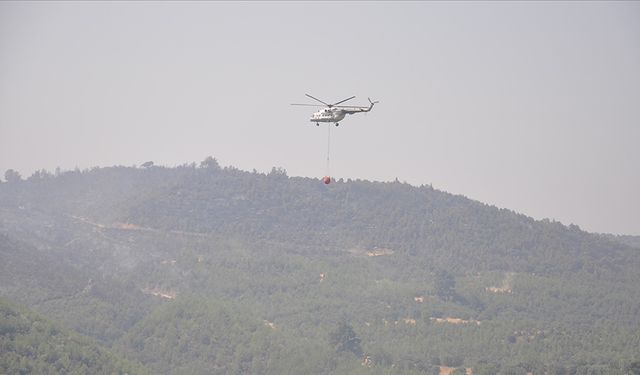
(206, 270)
(455, 232)
(29, 344)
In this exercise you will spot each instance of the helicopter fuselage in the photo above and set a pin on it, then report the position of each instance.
(328, 115)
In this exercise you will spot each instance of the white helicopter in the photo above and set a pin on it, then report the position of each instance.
(334, 112)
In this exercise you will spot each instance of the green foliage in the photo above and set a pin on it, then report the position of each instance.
(484, 368)
(31, 345)
(198, 336)
(634, 368)
(12, 176)
(207, 270)
(444, 285)
(210, 162)
(344, 339)
(513, 371)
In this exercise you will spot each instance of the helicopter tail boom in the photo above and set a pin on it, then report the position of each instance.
(353, 110)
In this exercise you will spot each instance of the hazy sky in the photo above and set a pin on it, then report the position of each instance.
(531, 106)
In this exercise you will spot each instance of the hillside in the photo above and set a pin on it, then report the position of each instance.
(30, 344)
(150, 261)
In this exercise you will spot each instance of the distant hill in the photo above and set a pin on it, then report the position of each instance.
(633, 241)
(146, 261)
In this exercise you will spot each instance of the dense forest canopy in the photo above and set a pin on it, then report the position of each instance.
(29, 344)
(207, 270)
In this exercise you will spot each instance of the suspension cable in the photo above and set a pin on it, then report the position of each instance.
(328, 147)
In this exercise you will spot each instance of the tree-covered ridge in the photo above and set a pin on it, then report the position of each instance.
(30, 344)
(201, 269)
(344, 215)
(633, 241)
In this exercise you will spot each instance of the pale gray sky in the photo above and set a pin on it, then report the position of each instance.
(531, 106)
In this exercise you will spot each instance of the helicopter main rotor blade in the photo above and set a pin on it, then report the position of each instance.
(328, 105)
(342, 101)
(308, 105)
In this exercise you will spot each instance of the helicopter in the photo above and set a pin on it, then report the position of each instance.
(334, 112)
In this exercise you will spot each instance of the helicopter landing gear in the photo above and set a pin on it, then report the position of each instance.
(337, 124)
(317, 124)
